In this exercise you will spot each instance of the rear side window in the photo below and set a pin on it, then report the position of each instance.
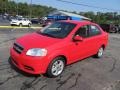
(94, 30)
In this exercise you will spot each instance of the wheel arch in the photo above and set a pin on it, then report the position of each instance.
(103, 45)
(63, 56)
(53, 58)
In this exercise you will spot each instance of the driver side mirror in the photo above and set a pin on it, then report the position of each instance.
(77, 38)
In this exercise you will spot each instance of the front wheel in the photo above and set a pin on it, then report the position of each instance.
(29, 25)
(56, 67)
(99, 53)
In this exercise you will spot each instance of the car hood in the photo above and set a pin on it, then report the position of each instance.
(14, 20)
(36, 40)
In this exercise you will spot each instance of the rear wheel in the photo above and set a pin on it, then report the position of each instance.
(20, 24)
(56, 67)
(100, 52)
(119, 31)
(29, 25)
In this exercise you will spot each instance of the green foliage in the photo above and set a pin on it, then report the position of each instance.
(108, 17)
(13, 8)
(24, 9)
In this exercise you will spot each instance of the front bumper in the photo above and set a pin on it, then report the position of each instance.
(29, 64)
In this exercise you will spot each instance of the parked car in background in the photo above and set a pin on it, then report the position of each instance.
(21, 22)
(105, 27)
(117, 28)
(35, 21)
(47, 22)
(111, 28)
(5, 16)
(61, 43)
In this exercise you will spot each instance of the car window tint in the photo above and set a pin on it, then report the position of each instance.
(19, 19)
(24, 19)
(83, 31)
(94, 30)
(58, 29)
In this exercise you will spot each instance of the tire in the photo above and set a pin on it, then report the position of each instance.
(56, 67)
(99, 53)
(29, 25)
(20, 24)
(115, 31)
(119, 31)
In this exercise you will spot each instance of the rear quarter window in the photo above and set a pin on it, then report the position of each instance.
(94, 30)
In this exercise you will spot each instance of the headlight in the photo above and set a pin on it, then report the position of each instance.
(36, 52)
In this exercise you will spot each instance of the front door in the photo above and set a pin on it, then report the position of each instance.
(80, 49)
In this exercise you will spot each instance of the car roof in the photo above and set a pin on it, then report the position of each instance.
(82, 22)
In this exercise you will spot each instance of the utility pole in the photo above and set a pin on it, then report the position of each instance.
(30, 9)
(4, 5)
(17, 7)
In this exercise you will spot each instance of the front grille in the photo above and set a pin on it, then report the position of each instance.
(18, 48)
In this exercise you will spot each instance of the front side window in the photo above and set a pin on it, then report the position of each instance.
(24, 19)
(19, 19)
(83, 31)
(58, 29)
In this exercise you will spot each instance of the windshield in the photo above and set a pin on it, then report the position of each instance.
(58, 29)
(19, 19)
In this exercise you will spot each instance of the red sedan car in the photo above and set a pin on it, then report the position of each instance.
(57, 45)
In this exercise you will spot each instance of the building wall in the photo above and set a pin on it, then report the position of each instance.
(75, 18)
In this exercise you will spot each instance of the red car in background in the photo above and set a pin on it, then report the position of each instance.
(57, 45)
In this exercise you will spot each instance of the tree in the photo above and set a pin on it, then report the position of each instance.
(24, 9)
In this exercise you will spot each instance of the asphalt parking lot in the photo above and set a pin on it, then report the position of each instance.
(88, 74)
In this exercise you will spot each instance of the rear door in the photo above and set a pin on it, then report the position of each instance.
(95, 36)
(25, 22)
